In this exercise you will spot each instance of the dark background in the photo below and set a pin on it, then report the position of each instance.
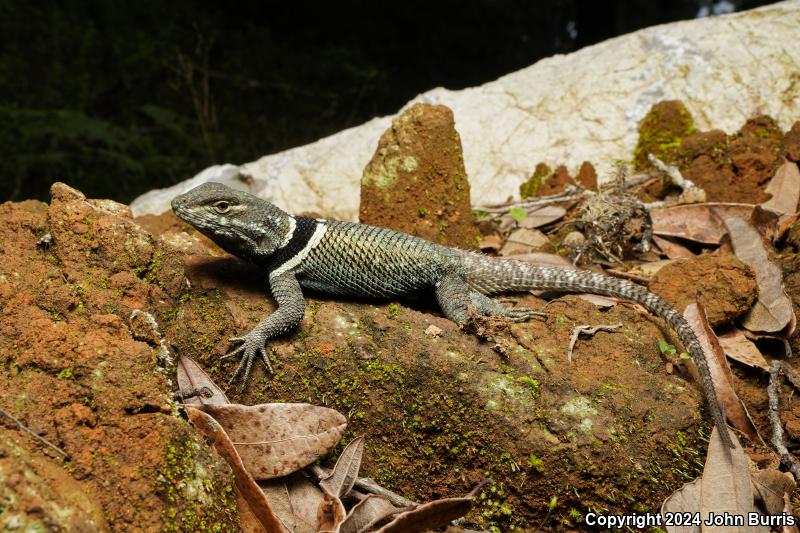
(119, 97)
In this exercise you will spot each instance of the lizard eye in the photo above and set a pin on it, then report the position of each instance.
(222, 206)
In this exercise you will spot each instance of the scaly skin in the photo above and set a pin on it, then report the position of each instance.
(361, 260)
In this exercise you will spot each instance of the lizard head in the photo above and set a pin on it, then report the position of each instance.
(240, 223)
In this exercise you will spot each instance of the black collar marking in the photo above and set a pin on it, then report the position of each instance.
(303, 230)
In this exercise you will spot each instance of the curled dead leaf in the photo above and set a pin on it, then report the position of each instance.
(784, 188)
(772, 311)
(344, 474)
(276, 439)
(256, 515)
(703, 223)
(720, 372)
(191, 377)
(739, 348)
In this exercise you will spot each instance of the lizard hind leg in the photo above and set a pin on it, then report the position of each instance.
(460, 302)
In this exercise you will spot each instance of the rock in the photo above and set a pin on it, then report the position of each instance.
(566, 109)
(416, 182)
(523, 241)
(724, 285)
(792, 143)
(661, 132)
(78, 377)
(733, 168)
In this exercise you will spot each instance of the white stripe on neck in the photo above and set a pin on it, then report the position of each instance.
(289, 264)
(290, 233)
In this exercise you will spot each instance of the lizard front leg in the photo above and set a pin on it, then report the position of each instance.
(291, 307)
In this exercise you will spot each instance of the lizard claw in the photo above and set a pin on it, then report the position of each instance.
(250, 347)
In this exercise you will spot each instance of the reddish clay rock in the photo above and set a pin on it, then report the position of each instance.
(544, 182)
(725, 286)
(416, 181)
(791, 143)
(78, 377)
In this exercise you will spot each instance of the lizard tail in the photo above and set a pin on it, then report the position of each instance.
(490, 275)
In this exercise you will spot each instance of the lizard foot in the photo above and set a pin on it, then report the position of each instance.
(520, 314)
(251, 346)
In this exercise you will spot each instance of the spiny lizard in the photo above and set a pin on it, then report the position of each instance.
(360, 260)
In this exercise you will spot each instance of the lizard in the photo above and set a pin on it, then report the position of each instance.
(348, 258)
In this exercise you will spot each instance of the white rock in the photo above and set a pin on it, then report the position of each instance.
(567, 109)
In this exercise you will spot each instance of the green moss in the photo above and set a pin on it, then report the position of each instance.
(393, 310)
(661, 132)
(534, 183)
(66, 374)
(194, 498)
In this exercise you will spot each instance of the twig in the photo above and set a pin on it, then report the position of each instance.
(586, 330)
(787, 459)
(367, 485)
(690, 193)
(566, 196)
(627, 275)
(30, 432)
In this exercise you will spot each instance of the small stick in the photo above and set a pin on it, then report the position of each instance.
(30, 432)
(587, 330)
(775, 368)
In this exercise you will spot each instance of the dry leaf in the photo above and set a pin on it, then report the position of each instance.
(720, 372)
(702, 223)
(330, 514)
(276, 439)
(490, 242)
(542, 217)
(770, 486)
(544, 259)
(294, 500)
(371, 510)
(191, 376)
(671, 248)
(772, 311)
(649, 269)
(740, 348)
(603, 302)
(784, 188)
(684, 502)
(725, 486)
(426, 516)
(787, 510)
(344, 474)
(522, 241)
(784, 224)
(255, 513)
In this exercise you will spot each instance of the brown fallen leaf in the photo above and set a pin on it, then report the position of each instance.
(720, 372)
(330, 514)
(523, 241)
(294, 500)
(276, 439)
(372, 509)
(772, 311)
(603, 302)
(740, 348)
(683, 502)
(544, 259)
(784, 188)
(703, 223)
(649, 269)
(427, 516)
(725, 487)
(345, 472)
(784, 224)
(191, 376)
(788, 509)
(542, 216)
(255, 513)
(671, 248)
(491, 243)
(770, 487)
